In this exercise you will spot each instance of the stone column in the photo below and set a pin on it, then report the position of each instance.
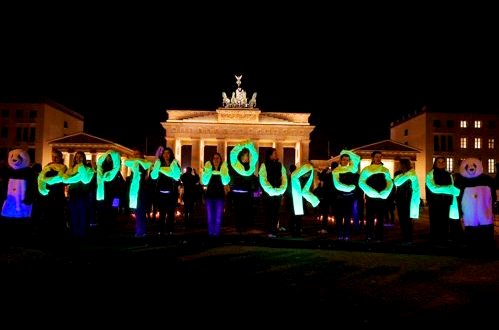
(279, 146)
(170, 143)
(195, 155)
(225, 154)
(257, 145)
(201, 155)
(123, 169)
(177, 149)
(297, 153)
(304, 151)
(69, 160)
(257, 148)
(222, 148)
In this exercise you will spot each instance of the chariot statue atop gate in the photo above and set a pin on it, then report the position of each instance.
(238, 98)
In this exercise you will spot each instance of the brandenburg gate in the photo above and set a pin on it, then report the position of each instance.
(236, 121)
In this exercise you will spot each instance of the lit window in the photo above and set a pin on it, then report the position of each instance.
(491, 143)
(491, 165)
(478, 123)
(463, 124)
(478, 143)
(450, 164)
(463, 142)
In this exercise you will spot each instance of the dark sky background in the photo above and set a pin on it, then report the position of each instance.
(334, 63)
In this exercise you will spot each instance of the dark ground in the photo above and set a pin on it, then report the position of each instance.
(251, 280)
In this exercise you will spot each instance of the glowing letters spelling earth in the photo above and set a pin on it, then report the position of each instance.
(415, 197)
(368, 190)
(352, 167)
(108, 176)
(447, 190)
(134, 165)
(43, 181)
(79, 173)
(236, 164)
(299, 192)
(208, 172)
(266, 184)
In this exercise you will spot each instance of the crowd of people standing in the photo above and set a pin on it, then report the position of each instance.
(84, 195)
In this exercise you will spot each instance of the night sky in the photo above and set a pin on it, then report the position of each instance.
(331, 64)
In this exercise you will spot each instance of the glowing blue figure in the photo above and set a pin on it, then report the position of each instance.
(298, 192)
(447, 190)
(415, 197)
(19, 182)
(134, 165)
(476, 198)
(236, 164)
(108, 176)
(208, 172)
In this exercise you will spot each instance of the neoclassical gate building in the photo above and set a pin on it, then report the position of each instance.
(195, 135)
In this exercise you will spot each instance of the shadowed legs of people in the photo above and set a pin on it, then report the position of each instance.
(272, 205)
(343, 213)
(214, 211)
(188, 210)
(242, 210)
(375, 209)
(166, 205)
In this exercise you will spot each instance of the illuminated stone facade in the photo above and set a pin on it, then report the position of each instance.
(31, 124)
(454, 136)
(93, 147)
(392, 152)
(227, 127)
